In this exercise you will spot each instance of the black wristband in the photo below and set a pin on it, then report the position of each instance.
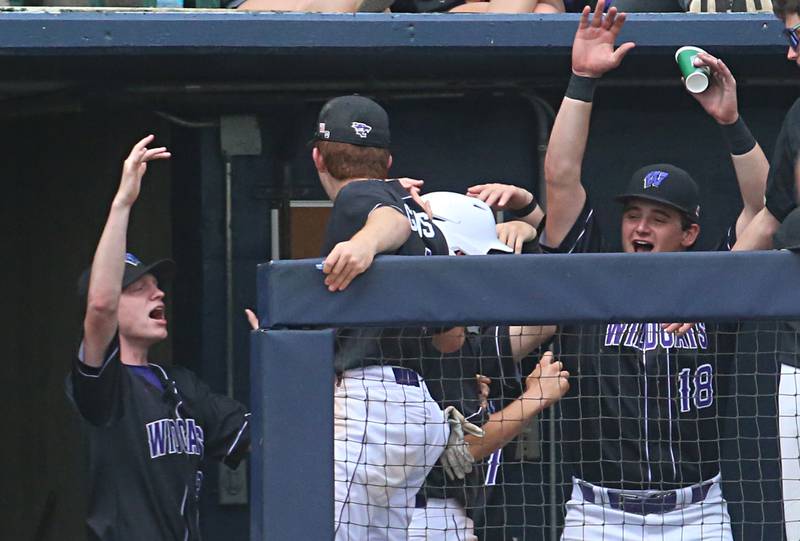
(527, 209)
(738, 137)
(581, 88)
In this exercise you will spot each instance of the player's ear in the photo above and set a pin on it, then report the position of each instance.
(690, 235)
(319, 161)
(389, 163)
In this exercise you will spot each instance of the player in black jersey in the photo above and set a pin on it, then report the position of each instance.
(451, 497)
(782, 186)
(639, 425)
(388, 430)
(149, 425)
(781, 218)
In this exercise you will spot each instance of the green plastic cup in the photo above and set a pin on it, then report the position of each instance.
(696, 79)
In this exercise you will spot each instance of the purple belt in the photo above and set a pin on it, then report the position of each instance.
(657, 504)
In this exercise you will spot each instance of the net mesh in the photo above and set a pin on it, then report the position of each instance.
(653, 432)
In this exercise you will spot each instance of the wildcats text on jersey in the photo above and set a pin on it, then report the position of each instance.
(170, 436)
(649, 336)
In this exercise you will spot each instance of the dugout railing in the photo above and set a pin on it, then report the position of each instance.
(292, 354)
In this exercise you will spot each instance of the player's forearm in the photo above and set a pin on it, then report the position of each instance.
(505, 425)
(562, 169)
(758, 234)
(525, 339)
(385, 230)
(752, 169)
(105, 285)
(567, 144)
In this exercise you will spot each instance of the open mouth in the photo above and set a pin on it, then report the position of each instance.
(158, 314)
(642, 246)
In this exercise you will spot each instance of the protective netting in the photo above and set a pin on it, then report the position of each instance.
(659, 436)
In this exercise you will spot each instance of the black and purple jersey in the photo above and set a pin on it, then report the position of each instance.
(149, 428)
(450, 378)
(641, 411)
(359, 347)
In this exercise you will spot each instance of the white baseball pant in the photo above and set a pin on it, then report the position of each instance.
(441, 520)
(789, 430)
(703, 520)
(388, 434)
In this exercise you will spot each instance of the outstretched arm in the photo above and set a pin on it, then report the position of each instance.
(544, 386)
(593, 55)
(385, 230)
(749, 161)
(108, 265)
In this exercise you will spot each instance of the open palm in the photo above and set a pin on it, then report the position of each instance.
(593, 51)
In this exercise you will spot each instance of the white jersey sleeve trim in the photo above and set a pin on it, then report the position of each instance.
(239, 435)
(82, 362)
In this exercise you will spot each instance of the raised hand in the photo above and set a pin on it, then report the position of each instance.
(719, 100)
(134, 168)
(501, 196)
(548, 381)
(593, 51)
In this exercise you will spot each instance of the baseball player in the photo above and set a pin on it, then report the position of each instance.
(778, 220)
(149, 425)
(451, 360)
(388, 429)
(639, 431)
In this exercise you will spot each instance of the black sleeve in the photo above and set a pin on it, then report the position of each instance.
(97, 392)
(585, 236)
(226, 422)
(728, 240)
(498, 363)
(352, 207)
(781, 192)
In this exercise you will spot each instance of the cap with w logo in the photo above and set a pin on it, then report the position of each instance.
(667, 184)
(162, 269)
(355, 120)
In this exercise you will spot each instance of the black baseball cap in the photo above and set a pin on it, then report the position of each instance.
(355, 120)
(667, 184)
(163, 269)
(787, 237)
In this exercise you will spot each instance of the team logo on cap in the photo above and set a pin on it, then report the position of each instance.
(325, 134)
(361, 129)
(131, 259)
(653, 179)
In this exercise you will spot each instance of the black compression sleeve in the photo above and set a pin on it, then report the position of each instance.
(581, 88)
(527, 209)
(738, 137)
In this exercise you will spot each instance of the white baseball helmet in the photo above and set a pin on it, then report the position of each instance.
(467, 223)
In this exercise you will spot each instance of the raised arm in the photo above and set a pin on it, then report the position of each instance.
(108, 265)
(593, 55)
(386, 230)
(749, 161)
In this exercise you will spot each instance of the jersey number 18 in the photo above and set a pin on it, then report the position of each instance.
(697, 388)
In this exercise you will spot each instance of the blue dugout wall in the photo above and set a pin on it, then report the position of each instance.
(470, 98)
(523, 289)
